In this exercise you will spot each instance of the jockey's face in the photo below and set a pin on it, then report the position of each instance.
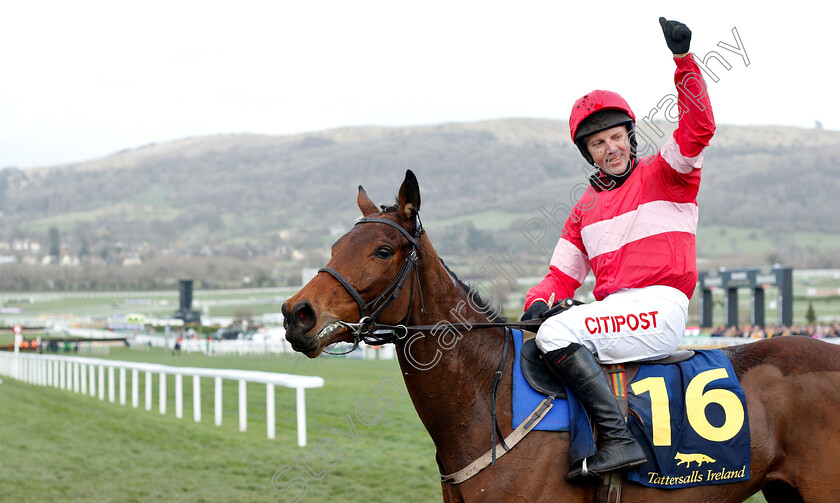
(610, 149)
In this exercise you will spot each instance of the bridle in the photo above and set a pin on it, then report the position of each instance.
(367, 329)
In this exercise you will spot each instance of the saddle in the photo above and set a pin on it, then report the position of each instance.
(540, 376)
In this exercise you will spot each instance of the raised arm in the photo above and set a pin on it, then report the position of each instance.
(697, 123)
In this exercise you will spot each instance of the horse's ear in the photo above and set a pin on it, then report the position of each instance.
(409, 197)
(365, 204)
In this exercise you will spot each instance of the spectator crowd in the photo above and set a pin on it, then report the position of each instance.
(816, 331)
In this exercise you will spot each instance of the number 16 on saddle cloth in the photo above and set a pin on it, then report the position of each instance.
(692, 423)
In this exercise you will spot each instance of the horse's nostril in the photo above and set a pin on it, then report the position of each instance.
(303, 315)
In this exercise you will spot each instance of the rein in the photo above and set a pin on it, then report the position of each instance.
(378, 334)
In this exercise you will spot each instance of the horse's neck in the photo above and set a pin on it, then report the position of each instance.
(449, 371)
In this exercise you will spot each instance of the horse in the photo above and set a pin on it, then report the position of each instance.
(386, 271)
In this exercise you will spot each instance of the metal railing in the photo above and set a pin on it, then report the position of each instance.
(88, 376)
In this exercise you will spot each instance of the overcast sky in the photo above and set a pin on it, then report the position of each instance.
(83, 79)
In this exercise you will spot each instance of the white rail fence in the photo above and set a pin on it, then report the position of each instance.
(247, 347)
(88, 376)
(213, 347)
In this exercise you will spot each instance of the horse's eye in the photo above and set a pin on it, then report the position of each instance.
(384, 252)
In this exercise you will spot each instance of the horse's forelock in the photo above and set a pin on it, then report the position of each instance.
(390, 209)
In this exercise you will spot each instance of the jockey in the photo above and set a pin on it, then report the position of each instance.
(634, 228)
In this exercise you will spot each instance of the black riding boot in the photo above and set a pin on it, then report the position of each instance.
(619, 449)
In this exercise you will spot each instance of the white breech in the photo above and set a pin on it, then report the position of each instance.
(629, 325)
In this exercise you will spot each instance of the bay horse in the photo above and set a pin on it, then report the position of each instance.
(385, 271)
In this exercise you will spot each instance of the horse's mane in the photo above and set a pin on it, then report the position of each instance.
(477, 300)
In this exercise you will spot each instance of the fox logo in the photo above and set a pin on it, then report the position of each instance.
(688, 458)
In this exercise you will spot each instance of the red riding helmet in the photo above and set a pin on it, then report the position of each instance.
(597, 111)
(592, 103)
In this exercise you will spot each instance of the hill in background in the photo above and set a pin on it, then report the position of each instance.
(767, 194)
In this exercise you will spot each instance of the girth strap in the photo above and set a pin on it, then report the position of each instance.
(515, 436)
(610, 490)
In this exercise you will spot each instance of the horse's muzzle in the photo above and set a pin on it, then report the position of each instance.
(298, 321)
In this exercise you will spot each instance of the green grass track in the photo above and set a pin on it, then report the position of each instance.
(61, 446)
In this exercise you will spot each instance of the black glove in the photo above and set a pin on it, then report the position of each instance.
(677, 35)
(535, 311)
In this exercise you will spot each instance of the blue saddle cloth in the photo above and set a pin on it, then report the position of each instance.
(701, 424)
(565, 415)
(694, 426)
(526, 398)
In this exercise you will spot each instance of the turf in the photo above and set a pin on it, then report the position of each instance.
(62, 446)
